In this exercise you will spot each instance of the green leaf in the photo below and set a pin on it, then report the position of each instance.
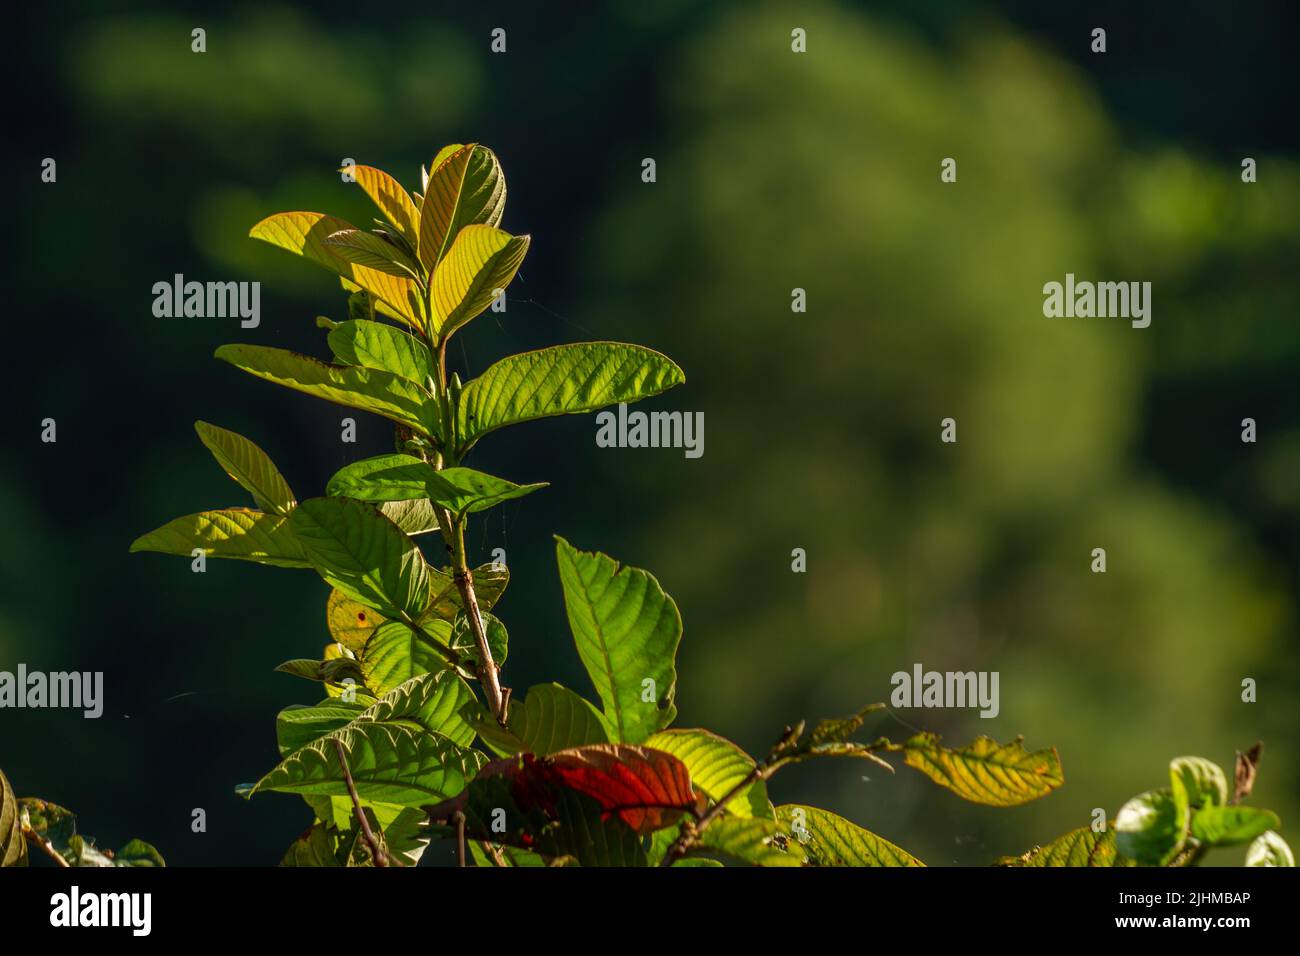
(465, 187)
(1148, 828)
(412, 517)
(297, 725)
(367, 249)
(463, 643)
(350, 622)
(138, 853)
(826, 839)
(390, 763)
(392, 200)
(1196, 782)
(13, 845)
(431, 701)
(1081, 847)
(552, 718)
(368, 389)
(1269, 849)
(316, 847)
(751, 840)
(304, 234)
(1225, 826)
(996, 775)
(381, 346)
(382, 478)
(363, 554)
(250, 466)
(626, 630)
(238, 533)
(466, 491)
(395, 653)
(562, 380)
(480, 263)
(716, 765)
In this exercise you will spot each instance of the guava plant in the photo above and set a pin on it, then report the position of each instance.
(416, 736)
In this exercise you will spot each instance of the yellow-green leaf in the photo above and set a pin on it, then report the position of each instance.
(1082, 847)
(716, 765)
(239, 533)
(480, 263)
(392, 200)
(465, 187)
(247, 464)
(304, 234)
(996, 775)
(826, 839)
(13, 845)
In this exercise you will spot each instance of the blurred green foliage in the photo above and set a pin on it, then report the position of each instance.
(775, 171)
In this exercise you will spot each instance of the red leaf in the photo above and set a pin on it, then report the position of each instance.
(646, 788)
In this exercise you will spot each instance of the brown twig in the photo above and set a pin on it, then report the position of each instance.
(45, 846)
(376, 851)
(459, 817)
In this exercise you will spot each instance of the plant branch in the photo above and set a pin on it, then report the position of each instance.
(376, 851)
(459, 817)
(691, 830)
(45, 846)
(487, 668)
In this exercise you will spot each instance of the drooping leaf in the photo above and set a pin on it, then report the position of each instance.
(716, 766)
(362, 248)
(363, 554)
(1269, 849)
(250, 466)
(1149, 830)
(367, 389)
(826, 839)
(390, 763)
(395, 653)
(465, 187)
(380, 346)
(1226, 826)
(1082, 847)
(330, 671)
(392, 200)
(13, 845)
(481, 262)
(304, 234)
(646, 789)
(996, 775)
(316, 847)
(751, 840)
(626, 630)
(239, 533)
(562, 380)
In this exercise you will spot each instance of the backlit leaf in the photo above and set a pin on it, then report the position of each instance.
(362, 248)
(1148, 828)
(350, 622)
(390, 763)
(238, 533)
(1082, 847)
(562, 380)
(826, 839)
(1226, 826)
(392, 200)
(751, 840)
(363, 554)
(304, 234)
(13, 845)
(465, 187)
(250, 467)
(380, 346)
(1269, 849)
(480, 263)
(716, 766)
(552, 718)
(370, 390)
(395, 653)
(996, 775)
(626, 630)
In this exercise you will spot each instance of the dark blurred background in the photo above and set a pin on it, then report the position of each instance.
(775, 171)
